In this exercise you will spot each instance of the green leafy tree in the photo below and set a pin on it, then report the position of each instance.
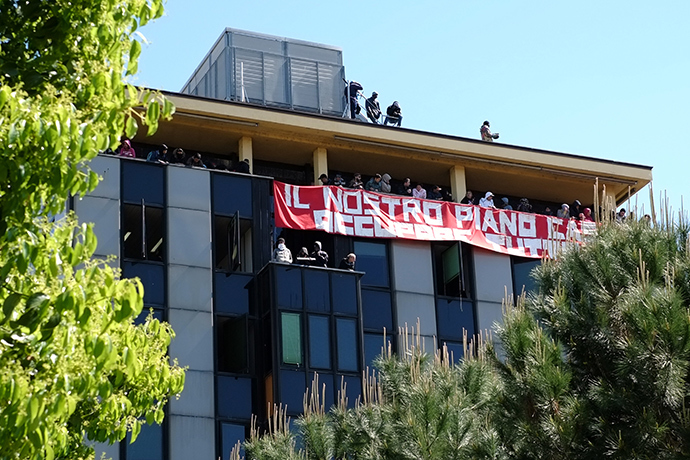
(73, 366)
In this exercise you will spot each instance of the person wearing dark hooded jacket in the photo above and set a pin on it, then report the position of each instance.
(394, 114)
(320, 256)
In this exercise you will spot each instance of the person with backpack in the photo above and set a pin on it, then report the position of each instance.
(373, 108)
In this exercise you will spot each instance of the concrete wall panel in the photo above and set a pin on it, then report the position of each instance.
(488, 313)
(189, 237)
(197, 397)
(189, 288)
(492, 275)
(108, 167)
(192, 438)
(412, 270)
(105, 213)
(189, 188)
(412, 306)
(193, 342)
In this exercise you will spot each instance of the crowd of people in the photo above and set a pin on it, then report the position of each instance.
(316, 258)
(164, 155)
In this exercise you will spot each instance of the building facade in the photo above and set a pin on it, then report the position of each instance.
(254, 332)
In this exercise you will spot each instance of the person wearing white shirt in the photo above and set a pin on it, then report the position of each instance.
(419, 192)
(487, 201)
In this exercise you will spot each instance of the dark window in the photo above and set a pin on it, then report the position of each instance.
(522, 268)
(373, 346)
(292, 338)
(292, 388)
(152, 276)
(353, 388)
(372, 258)
(456, 350)
(317, 291)
(376, 310)
(232, 295)
(232, 344)
(148, 446)
(344, 289)
(325, 380)
(451, 264)
(319, 342)
(232, 193)
(348, 351)
(232, 239)
(158, 314)
(289, 287)
(143, 181)
(453, 318)
(234, 397)
(230, 435)
(143, 229)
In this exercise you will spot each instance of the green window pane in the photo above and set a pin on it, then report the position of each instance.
(292, 338)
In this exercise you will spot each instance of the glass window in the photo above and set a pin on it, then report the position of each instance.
(152, 276)
(348, 351)
(353, 388)
(232, 193)
(232, 344)
(292, 338)
(325, 380)
(373, 346)
(372, 258)
(319, 342)
(143, 229)
(232, 293)
(376, 310)
(344, 289)
(158, 314)
(293, 385)
(234, 397)
(230, 435)
(232, 239)
(455, 350)
(289, 287)
(522, 268)
(149, 443)
(317, 292)
(142, 181)
(454, 316)
(451, 263)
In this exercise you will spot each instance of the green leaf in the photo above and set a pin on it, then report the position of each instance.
(136, 429)
(131, 127)
(10, 303)
(153, 114)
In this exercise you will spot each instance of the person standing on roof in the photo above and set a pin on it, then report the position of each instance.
(373, 108)
(354, 89)
(485, 131)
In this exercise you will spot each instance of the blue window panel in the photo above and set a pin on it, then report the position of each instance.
(521, 274)
(234, 397)
(293, 385)
(353, 388)
(344, 288)
(232, 296)
(372, 258)
(377, 310)
(317, 295)
(454, 316)
(152, 276)
(232, 193)
(319, 342)
(348, 351)
(289, 287)
(327, 395)
(231, 435)
(142, 181)
(373, 343)
(148, 446)
(455, 351)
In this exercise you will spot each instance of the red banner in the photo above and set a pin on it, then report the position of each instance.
(375, 215)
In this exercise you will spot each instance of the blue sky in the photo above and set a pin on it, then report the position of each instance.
(607, 79)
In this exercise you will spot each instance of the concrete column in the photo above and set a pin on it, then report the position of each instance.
(320, 163)
(458, 185)
(245, 151)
